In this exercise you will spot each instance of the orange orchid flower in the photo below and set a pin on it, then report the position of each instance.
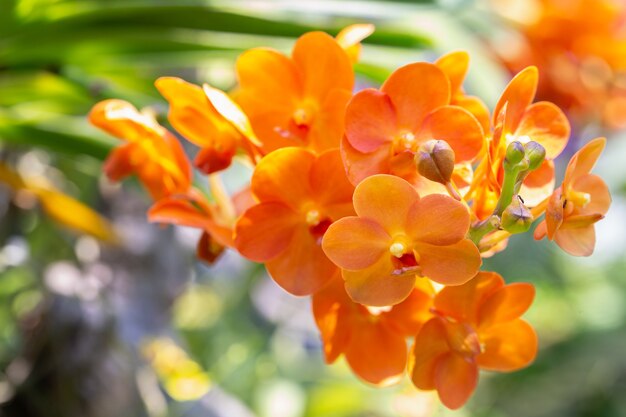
(477, 326)
(396, 237)
(373, 341)
(350, 37)
(517, 118)
(298, 100)
(574, 207)
(299, 195)
(151, 152)
(384, 128)
(455, 65)
(210, 119)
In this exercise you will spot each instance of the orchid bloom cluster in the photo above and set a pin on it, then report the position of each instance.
(378, 204)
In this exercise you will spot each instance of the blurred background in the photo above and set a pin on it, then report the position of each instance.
(91, 326)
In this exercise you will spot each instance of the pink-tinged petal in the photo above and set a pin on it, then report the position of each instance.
(265, 231)
(328, 179)
(430, 344)
(370, 120)
(438, 219)
(506, 304)
(462, 302)
(507, 346)
(416, 90)
(578, 241)
(600, 197)
(302, 268)
(449, 265)
(324, 65)
(385, 199)
(328, 125)
(377, 286)
(455, 66)
(517, 96)
(362, 165)
(354, 243)
(538, 185)
(583, 161)
(458, 127)
(377, 354)
(283, 175)
(456, 378)
(547, 125)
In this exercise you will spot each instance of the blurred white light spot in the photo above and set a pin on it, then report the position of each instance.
(87, 249)
(63, 278)
(15, 252)
(280, 398)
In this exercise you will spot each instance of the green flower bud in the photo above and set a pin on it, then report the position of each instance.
(514, 153)
(516, 218)
(535, 154)
(435, 161)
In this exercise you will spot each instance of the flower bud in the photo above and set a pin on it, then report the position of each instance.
(516, 218)
(435, 161)
(514, 153)
(535, 154)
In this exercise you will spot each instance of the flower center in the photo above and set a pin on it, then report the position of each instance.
(303, 115)
(397, 249)
(579, 198)
(405, 141)
(313, 217)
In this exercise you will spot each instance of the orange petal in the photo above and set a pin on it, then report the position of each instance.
(455, 66)
(449, 265)
(600, 197)
(554, 212)
(376, 286)
(430, 344)
(302, 268)
(458, 127)
(477, 107)
(547, 125)
(331, 309)
(583, 161)
(462, 302)
(541, 230)
(507, 346)
(370, 120)
(214, 159)
(517, 96)
(577, 242)
(350, 37)
(328, 125)
(506, 304)
(408, 317)
(362, 165)
(539, 184)
(438, 219)
(283, 175)
(385, 199)
(118, 164)
(326, 170)
(266, 230)
(208, 250)
(122, 120)
(354, 243)
(324, 65)
(416, 90)
(455, 379)
(377, 354)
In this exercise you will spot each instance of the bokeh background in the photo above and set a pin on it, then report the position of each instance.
(139, 328)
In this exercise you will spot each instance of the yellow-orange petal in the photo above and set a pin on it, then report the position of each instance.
(323, 65)
(517, 96)
(456, 378)
(350, 37)
(362, 165)
(355, 243)
(583, 160)
(462, 302)
(600, 197)
(122, 120)
(547, 125)
(377, 354)
(449, 265)
(430, 344)
(578, 241)
(458, 127)
(506, 304)
(416, 90)
(507, 346)
(329, 183)
(266, 230)
(376, 285)
(328, 126)
(302, 268)
(539, 184)
(478, 108)
(385, 199)
(454, 65)
(283, 175)
(438, 219)
(370, 120)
